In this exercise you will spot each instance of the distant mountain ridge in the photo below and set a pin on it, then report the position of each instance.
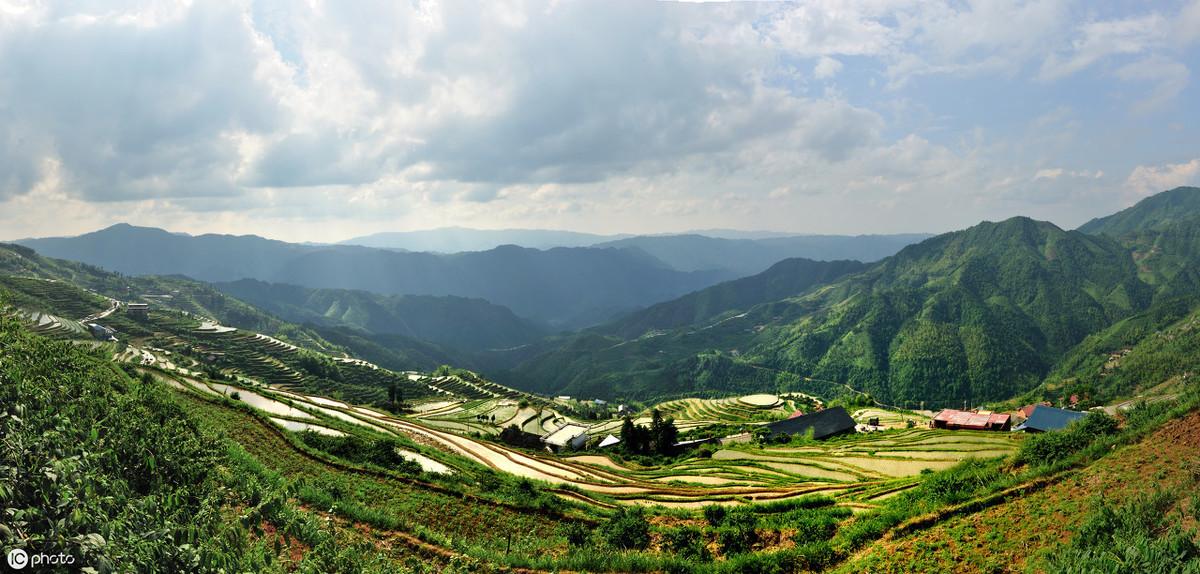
(459, 239)
(744, 257)
(564, 287)
(455, 322)
(739, 253)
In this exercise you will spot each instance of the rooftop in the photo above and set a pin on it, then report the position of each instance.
(1049, 418)
(564, 434)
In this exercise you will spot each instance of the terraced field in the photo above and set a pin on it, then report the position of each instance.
(692, 413)
(857, 470)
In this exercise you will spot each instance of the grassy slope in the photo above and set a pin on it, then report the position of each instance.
(1023, 533)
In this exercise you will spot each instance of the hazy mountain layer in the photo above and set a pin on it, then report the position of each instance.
(565, 287)
(457, 322)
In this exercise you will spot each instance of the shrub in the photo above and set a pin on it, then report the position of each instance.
(1055, 446)
(687, 543)
(738, 532)
(627, 529)
(815, 527)
(714, 514)
(577, 534)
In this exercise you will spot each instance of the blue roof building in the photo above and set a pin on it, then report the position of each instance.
(1046, 418)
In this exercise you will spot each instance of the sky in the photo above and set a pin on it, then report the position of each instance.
(319, 121)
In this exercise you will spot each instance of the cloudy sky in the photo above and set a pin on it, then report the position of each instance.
(324, 120)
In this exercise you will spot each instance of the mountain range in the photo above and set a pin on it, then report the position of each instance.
(972, 316)
(560, 287)
(968, 317)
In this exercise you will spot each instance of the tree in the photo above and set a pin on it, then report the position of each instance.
(663, 433)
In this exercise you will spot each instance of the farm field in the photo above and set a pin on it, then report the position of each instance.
(855, 469)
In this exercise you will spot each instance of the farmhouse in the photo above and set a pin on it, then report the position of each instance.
(823, 424)
(137, 309)
(1046, 418)
(100, 331)
(567, 436)
(968, 420)
(1027, 411)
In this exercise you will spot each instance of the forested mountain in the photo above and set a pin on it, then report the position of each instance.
(566, 287)
(1155, 213)
(1158, 347)
(457, 322)
(740, 253)
(1163, 234)
(784, 279)
(974, 315)
(693, 252)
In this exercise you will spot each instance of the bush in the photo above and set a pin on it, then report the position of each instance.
(815, 527)
(959, 483)
(627, 529)
(714, 514)
(577, 534)
(1055, 446)
(738, 532)
(687, 543)
(382, 453)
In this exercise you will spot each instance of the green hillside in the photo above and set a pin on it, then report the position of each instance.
(784, 279)
(33, 281)
(1156, 212)
(456, 322)
(975, 315)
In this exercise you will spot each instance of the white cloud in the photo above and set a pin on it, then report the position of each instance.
(826, 68)
(587, 114)
(1149, 179)
(1048, 173)
(1097, 40)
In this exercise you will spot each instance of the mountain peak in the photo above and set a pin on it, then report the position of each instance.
(1153, 213)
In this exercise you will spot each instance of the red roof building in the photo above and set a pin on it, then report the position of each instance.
(952, 419)
(1027, 410)
(796, 414)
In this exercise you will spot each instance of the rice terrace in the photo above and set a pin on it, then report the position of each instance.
(589, 287)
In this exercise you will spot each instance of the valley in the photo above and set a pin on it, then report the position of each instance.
(437, 467)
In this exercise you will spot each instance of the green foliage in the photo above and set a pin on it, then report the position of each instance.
(659, 438)
(737, 532)
(1055, 446)
(383, 453)
(1140, 536)
(686, 542)
(577, 533)
(715, 514)
(627, 529)
(93, 461)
